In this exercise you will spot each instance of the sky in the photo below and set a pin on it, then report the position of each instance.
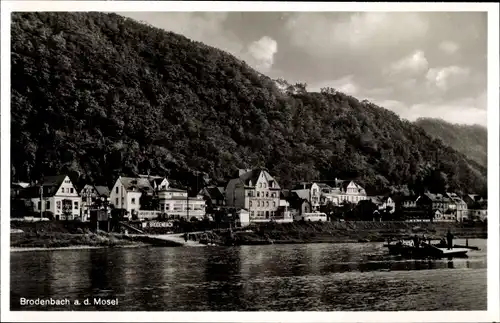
(417, 64)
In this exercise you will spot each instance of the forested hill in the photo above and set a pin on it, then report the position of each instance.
(471, 140)
(98, 95)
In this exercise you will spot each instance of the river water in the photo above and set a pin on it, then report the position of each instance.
(300, 277)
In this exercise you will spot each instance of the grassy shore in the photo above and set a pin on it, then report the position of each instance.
(52, 235)
(343, 232)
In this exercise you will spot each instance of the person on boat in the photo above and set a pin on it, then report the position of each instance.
(415, 241)
(424, 238)
(185, 237)
(449, 238)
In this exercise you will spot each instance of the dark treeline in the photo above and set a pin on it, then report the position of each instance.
(99, 95)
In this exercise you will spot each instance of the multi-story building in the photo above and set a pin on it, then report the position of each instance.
(442, 203)
(94, 197)
(55, 194)
(384, 203)
(176, 204)
(478, 211)
(214, 196)
(461, 207)
(256, 191)
(127, 191)
(310, 192)
(339, 191)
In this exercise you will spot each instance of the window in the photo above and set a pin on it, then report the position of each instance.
(258, 203)
(260, 185)
(258, 194)
(252, 213)
(71, 190)
(250, 194)
(62, 190)
(39, 205)
(58, 204)
(47, 205)
(76, 205)
(116, 201)
(167, 207)
(132, 200)
(250, 203)
(273, 194)
(116, 190)
(267, 194)
(274, 204)
(315, 192)
(267, 204)
(264, 185)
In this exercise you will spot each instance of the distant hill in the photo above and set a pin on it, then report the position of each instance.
(471, 140)
(98, 95)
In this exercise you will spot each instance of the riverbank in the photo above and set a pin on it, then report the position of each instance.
(56, 235)
(339, 232)
(30, 241)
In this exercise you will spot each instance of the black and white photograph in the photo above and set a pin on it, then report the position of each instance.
(310, 159)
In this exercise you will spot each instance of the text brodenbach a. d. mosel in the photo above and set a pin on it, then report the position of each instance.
(97, 301)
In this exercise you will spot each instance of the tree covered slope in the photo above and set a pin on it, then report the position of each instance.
(472, 141)
(98, 95)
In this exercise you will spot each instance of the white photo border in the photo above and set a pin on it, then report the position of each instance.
(492, 314)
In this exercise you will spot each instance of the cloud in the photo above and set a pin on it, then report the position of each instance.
(448, 47)
(413, 64)
(470, 110)
(445, 78)
(262, 52)
(366, 30)
(345, 85)
(210, 28)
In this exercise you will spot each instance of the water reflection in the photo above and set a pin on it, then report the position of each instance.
(275, 277)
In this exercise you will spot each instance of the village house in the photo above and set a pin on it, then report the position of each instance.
(175, 204)
(478, 211)
(384, 203)
(127, 191)
(55, 194)
(340, 191)
(310, 192)
(326, 195)
(461, 207)
(214, 195)
(93, 197)
(256, 191)
(432, 202)
(470, 199)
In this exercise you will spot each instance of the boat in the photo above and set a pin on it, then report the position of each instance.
(425, 250)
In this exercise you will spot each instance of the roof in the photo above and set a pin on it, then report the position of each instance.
(50, 184)
(437, 197)
(136, 184)
(171, 189)
(215, 193)
(102, 190)
(252, 176)
(324, 186)
(56, 180)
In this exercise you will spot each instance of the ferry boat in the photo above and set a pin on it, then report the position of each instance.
(425, 250)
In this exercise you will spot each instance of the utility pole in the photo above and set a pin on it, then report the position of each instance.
(41, 199)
